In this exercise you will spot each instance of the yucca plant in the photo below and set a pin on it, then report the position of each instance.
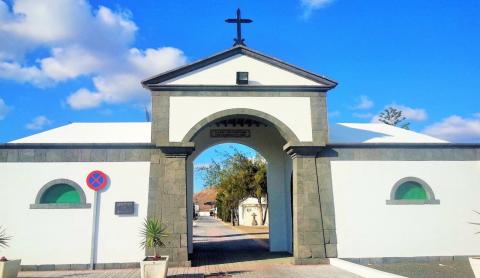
(152, 233)
(4, 239)
(475, 223)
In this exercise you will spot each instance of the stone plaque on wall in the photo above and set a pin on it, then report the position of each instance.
(229, 133)
(124, 208)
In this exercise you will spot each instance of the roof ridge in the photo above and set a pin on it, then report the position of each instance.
(182, 70)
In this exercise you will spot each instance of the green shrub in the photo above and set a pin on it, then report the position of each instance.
(152, 233)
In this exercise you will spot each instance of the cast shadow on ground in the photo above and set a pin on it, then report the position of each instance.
(232, 235)
(232, 251)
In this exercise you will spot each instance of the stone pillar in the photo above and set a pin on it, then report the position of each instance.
(309, 244)
(167, 200)
(160, 119)
(318, 107)
(324, 177)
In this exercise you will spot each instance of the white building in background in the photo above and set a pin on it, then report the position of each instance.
(348, 190)
(249, 212)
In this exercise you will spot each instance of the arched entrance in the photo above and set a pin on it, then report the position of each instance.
(296, 214)
(291, 102)
(263, 136)
(218, 239)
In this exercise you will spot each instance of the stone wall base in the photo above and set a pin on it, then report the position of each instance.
(310, 261)
(424, 259)
(64, 267)
(55, 267)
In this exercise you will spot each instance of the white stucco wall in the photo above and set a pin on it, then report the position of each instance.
(63, 236)
(224, 73)
(368, 227)
(294, 112)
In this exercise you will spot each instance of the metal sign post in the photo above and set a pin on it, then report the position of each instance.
(93, 249)
(96, 180)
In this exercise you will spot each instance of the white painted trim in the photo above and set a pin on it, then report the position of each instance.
(362, 270)
(186, 112)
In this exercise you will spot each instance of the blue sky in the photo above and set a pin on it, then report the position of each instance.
(81, 61)
(215, 153)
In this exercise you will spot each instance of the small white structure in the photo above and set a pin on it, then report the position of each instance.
(250, 207)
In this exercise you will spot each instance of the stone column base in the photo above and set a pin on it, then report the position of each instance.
(310, 261)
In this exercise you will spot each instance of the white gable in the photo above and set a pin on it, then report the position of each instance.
(224, 73)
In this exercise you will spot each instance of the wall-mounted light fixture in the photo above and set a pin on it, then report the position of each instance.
(242, 78)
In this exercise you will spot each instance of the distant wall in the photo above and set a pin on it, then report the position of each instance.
(62, 236)
(249, 207)
(367, 227)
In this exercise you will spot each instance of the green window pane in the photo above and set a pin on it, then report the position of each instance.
(410, 191)
(60, 194)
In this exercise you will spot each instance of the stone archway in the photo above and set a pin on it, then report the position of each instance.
(313, 229)
(264, 137)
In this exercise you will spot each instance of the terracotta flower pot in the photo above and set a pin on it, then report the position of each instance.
(9, 269)
(150, 268)
(475, 264)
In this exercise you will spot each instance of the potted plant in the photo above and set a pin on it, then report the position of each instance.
(152, 233)
(8, 269)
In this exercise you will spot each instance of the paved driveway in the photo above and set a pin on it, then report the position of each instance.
(221, 251)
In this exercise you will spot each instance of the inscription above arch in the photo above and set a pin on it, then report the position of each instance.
(283, 129)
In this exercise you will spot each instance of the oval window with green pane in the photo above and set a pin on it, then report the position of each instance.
(60, 194)
(412, 191)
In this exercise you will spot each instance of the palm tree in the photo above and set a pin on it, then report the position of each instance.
(4, 239)
(152, 233)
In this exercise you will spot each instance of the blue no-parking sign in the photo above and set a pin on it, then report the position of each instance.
(97, 180)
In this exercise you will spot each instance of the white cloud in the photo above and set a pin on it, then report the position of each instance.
(119, 87)
(19, 73)
(39, 122)
(456, 129)
(315, 4)
(201, 166)
(412, 114)
(310, 5)
(334, 113)
(4, 109)
(375, 119)
(83, 41)
(70, 62)
(84, 99)
(364, 103)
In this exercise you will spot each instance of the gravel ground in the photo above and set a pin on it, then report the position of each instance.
(453, 269)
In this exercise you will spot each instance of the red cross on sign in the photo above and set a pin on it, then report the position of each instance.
(97, 180)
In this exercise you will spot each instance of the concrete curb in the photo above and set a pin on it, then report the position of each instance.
(361, 270)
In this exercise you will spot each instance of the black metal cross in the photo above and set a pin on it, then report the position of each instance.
(239, 20)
